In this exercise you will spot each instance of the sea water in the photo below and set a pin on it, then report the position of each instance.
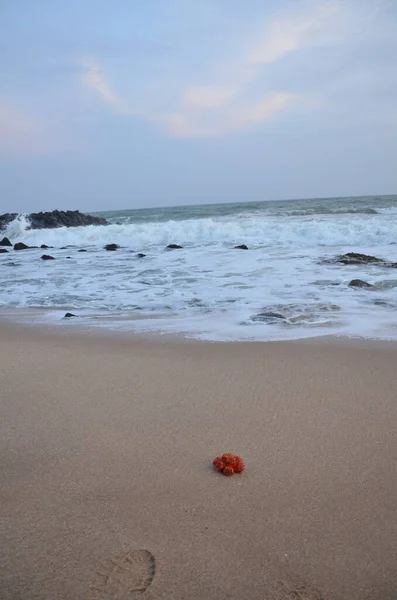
(283, 287)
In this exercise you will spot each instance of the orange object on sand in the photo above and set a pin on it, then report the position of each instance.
(229, 464)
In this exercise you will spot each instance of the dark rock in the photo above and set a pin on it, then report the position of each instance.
(360, 283)
(45, 247)
(82, 250)
(241, 247)
(3, 250)
(68, 257)
(69, 315)
(7, 219)
(174, 247)
(5, 242)
(354, 258)
(141, 255)
(111, 247)
(20, 246)
(47, 257)
(54, 219)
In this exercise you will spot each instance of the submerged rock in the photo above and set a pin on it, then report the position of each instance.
(241, 247)
(111, 247)
(47, 257)
(141, 255)
(5, 242)
(82, 250)
(354, 258)
(174, 247)
(69, 315)
(3, 251)
(21, 246)
(360, 283)
(45, 247)
(269, 317)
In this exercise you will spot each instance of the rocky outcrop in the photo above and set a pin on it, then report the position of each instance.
(174, 247)
(5, 242)
(3, 251)
(45, 247)
(6, 219)
(55, 219)
(47, 257)
(241, 247)
(359, 283)
(111, 247)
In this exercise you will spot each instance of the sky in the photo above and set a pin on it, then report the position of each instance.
(130, 104)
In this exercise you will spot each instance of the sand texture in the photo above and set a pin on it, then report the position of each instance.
(107, 487)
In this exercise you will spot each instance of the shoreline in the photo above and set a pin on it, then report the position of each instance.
(106, 452)
(31, 319)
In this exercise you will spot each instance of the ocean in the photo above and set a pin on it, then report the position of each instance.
(281, 288)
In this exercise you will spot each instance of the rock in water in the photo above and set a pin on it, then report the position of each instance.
(111, 247)
(3, 251)
(5, 242)
(47, 257)
(20, 246)
(55, 219)
(241, 247)
(359, 283)
(69, 315)
(7, 219)
(141, 255)
(82, 250)
(354, 258)
(174, 247)
(45, 247)
(269, 317)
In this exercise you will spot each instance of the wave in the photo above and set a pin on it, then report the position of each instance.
(330, 211)
(253, 230)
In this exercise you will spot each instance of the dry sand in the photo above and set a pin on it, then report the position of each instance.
(106, 477)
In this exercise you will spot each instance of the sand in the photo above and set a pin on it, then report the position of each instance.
(107, 489)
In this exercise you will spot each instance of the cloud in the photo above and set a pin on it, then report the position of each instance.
(94, 77)
(19, 134)
(236, 94)
(228, 121)
(289, 33)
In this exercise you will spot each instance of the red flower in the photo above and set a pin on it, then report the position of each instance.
(229, 464)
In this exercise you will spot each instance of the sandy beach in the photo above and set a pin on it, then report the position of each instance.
(107, 485)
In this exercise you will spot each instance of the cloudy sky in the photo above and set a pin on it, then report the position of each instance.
(135, 103)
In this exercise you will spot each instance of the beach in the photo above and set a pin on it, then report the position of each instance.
(107, 445)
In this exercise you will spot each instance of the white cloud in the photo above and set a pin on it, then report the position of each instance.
(231, 120)
(226, 103)
(94, 77)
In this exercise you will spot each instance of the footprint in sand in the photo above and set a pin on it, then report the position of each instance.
(289, 591)
(124, 576)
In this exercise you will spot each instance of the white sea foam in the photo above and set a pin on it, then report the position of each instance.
(279, 289)
(302, 231)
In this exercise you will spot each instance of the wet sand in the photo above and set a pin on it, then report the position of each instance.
(107, 488)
